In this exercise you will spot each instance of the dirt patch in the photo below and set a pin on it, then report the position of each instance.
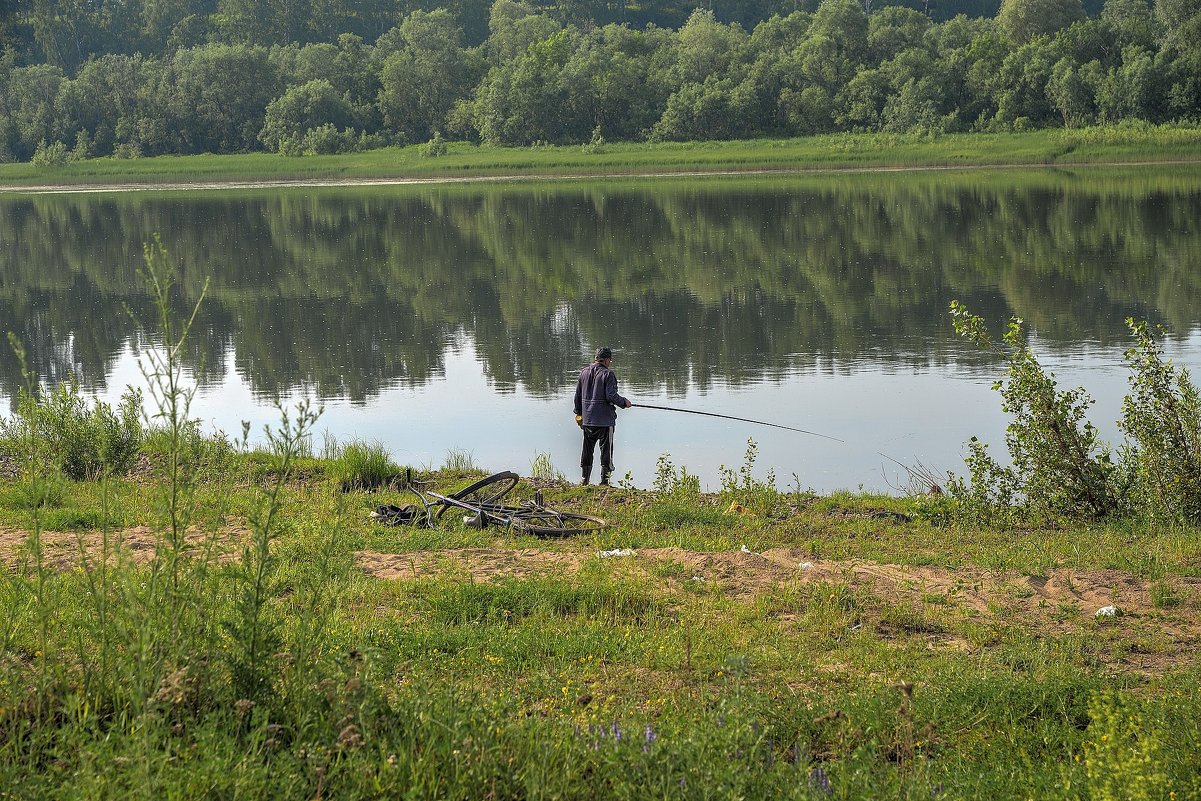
(65, 550)
(478, 564)
(1063, 596)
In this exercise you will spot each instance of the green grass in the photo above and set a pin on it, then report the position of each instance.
(587, 678)
(364, 465)
(829, 152)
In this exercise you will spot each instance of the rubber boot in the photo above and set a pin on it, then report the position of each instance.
(587, 479)
(605, 478)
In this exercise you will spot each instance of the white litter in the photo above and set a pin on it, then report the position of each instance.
(1107, 611)
(806, 565)
(745, 549)
(616, 552)
(698, 578)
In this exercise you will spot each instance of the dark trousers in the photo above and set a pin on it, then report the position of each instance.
(593, 435)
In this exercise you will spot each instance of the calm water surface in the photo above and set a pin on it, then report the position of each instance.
(433, 318)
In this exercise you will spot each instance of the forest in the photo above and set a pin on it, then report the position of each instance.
(82, 79)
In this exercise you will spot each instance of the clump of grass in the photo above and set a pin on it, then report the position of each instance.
(460, 461)
(364, 466)
(544, 468)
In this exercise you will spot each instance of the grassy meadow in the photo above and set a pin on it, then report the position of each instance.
(1101, 145)
(247, 631)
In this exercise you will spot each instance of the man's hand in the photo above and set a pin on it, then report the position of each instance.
(628, 404)
(579, 420)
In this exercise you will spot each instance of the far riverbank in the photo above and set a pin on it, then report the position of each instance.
(467, 162)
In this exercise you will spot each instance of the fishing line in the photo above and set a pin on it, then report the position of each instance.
(739, 419)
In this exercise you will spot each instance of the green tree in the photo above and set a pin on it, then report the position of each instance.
(705, 47)
(893, 29)
(211, 99)
(1022, 20)
(1071, 94)
(31, 95)
(420, 82)
(300, 109)
(514, 26)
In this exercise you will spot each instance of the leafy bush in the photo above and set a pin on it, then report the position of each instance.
(54, 154)
(1162, 418)
(83, 443)
(435, 147)
(1059, 465)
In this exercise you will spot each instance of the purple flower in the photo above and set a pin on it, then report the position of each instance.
(650, 738)
(820, 781)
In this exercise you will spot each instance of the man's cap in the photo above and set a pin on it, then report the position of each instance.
(604, 353)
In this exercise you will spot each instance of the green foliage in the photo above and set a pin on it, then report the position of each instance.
(84, 443)
(1022, 20)
(52, 155)
(1123, 758)
(677, 502)
(291, 117)
(597, 143)
(1162, 418)
(741, 486)
(1059, 467)
(435, 147)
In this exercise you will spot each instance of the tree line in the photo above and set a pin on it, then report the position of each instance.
(536, 78)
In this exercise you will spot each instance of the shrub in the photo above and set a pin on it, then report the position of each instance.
(434, 147)
(1059, 465)
(1162, 418)
(83, 443)
(54, 154)
(597, 143)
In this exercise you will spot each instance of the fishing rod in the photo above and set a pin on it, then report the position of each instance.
(739, 419)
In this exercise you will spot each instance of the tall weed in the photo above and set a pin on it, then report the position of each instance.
(743, 488)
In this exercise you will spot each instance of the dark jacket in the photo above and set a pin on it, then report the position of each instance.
(596, 396)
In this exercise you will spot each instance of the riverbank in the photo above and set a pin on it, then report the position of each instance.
(1113, 145)
(748, 643)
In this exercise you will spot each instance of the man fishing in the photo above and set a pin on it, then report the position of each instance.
(596, 402)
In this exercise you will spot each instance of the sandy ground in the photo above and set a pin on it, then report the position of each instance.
(62, 549)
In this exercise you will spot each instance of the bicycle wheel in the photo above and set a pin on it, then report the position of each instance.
(485, 492)
(549, 523)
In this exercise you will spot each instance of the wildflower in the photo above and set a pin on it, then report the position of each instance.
(650, 738)
(616, 732)
(820, 781)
